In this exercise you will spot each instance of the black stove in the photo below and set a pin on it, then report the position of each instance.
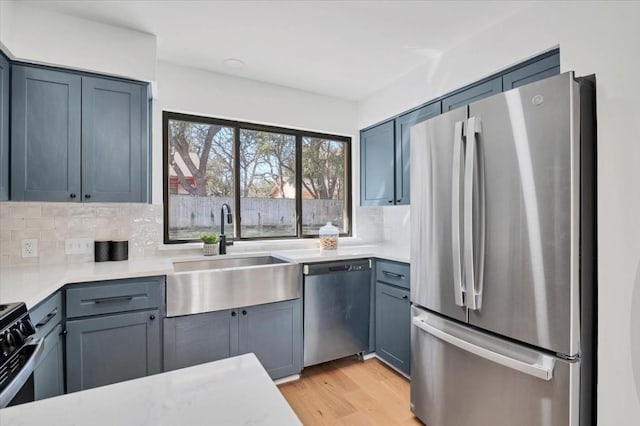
(19, 352)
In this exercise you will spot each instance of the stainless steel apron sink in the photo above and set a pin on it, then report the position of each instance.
(230, 282)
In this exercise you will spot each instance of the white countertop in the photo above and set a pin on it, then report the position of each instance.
(349, 252)
(34, 283)
(233, 391)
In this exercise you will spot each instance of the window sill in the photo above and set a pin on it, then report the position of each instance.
(262, 245)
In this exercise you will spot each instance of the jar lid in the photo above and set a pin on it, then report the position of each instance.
(329, 228)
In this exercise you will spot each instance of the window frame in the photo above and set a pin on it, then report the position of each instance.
(242, 125)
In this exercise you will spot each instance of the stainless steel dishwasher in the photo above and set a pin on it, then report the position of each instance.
(337, 298)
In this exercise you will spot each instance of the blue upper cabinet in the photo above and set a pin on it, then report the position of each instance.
(4, 127)
(45, 135)
(114, 141)
(472, 94)
(377, 156)
(402, 148)
(76, 137)
(534, 71)
(385, 181)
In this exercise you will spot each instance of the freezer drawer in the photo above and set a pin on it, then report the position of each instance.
(463, 377)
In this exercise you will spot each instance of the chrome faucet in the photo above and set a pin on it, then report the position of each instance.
(223, 238)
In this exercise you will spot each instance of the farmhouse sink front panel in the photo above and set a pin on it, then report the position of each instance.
(209, 290)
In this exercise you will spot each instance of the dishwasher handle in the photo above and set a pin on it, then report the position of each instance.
(357, 265)
(340, 268)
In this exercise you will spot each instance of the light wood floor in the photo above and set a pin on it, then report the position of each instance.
(350, 392)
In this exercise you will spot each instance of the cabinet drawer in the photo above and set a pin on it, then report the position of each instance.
(393, 273)
(107, 297)
(47, 315)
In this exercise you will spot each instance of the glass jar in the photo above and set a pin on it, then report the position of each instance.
(329, 237)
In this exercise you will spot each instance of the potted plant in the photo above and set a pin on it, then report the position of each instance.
(210, 245)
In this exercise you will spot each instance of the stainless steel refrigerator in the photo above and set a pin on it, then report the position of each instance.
(503, 259)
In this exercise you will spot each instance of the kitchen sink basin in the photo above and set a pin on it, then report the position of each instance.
(224, 262)
(230, 282)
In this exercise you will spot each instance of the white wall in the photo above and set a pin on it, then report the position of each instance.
(595, 38)
(46, 37)
(42, 36)
(200, 92)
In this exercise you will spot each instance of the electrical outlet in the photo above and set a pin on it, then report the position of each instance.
(30, 247)
(78, 246)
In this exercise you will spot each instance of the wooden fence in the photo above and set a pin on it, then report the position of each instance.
(187, 211)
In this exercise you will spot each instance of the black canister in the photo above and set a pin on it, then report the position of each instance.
(101, 251)
(119, 250)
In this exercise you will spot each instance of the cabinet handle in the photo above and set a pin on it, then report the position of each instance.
(113, 299)
(405, 297)
(390, 201)
(152, 317)
(244, 312)
(63, 332)
(397, 201)
(393, 274)
(87, 196)
(48, 318)
(72, 195)
(233, 313)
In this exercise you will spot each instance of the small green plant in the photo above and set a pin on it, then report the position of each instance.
(209, 238)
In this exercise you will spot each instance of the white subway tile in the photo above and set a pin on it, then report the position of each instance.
(26, 211)
(12, 223)
(40, 223)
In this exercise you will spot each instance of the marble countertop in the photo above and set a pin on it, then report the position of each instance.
(34, 283)
(233, 391)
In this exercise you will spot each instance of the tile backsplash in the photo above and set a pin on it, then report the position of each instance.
(397, 225)
(52, 223)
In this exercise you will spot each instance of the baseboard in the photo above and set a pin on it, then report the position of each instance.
(393, 368)
(369, 356)
(287, 379)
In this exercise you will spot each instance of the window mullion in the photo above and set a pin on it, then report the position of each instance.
(299, 185)
(236, 182)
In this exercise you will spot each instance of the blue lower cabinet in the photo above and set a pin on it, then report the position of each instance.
(196, 339)
(48, 376)
(112, 348)
(393, 326)
(273, 332)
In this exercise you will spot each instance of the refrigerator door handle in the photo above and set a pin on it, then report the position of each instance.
(455, 215)
(473, 273)
(542, 368)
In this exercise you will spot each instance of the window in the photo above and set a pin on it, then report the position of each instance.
(281, 183)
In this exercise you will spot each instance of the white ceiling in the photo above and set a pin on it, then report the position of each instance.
(347, 49)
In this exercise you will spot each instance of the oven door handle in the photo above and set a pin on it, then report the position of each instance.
(23, 375)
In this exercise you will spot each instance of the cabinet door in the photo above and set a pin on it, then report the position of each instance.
(472, 94)
(45, 135)
(196, 339)
(111, 349)
(402, 148)
(377, 158)
(393, 326)
(48, 376)
(114, 141)
(4, 127)
(273, 332)
(543, 68)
